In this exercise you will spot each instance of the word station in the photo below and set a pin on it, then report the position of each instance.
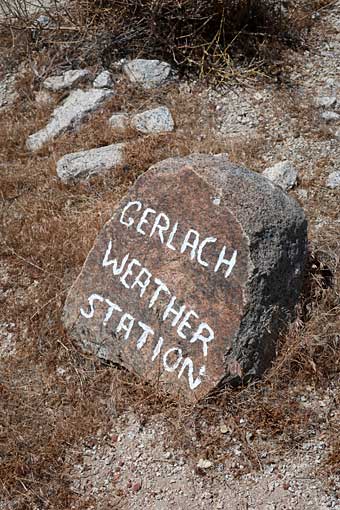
(130, 273)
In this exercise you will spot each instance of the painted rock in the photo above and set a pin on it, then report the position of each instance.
(194, 276)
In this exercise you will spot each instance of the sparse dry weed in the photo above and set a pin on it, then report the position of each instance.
(207, 38)
(53, 397)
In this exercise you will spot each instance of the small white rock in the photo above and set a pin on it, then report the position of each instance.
(330, 116)
(326, 101)
(103, 80)
(147, 73)
(302, 194)
(204, 464)
(84, 164)
(119, 120)
(66, 80)
(283, 174)
(333, 180)
(157, 120)
(224, 429)
(42, 21)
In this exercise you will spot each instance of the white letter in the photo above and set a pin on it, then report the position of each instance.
(205, 339)
(144, 220)
(161, 228)
(230, 263)
(91, 299)
(193, 245)
(112, 306)
(130, 220)
(142, 284)
(161, 286)
(177, 362)
(200, 249)
(134, 262)
(126, 327)
(144, 336)
(188, 363)
(157, 349)
(171, 237)
(177, 313)
(185, 324)
(106, 262)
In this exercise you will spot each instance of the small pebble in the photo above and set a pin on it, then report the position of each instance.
(204, 464)
(136, 486)
(333, 180)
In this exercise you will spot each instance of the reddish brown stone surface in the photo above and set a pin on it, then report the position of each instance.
(165, 288)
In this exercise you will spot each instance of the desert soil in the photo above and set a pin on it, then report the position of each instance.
(135, 464)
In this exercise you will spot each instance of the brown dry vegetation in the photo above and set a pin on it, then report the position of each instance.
(208, 38)
(47, 229)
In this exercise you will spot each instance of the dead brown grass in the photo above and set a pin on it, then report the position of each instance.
(206, 38)
(52, 396)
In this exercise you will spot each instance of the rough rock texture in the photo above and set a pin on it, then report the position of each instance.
(157, 120)
(66, 80)
(84, 164)
(119, 120)
(7, 91)
(103, 80)
(147, 73)
(43, 21)
(193, 277)
(71, 113)
(330, 116)
(326, 101)
(333, 180)
(283, 174)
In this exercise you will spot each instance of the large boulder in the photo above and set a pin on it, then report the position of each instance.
(193, 278)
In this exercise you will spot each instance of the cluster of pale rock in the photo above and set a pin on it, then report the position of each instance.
(327, 104)
(80, 103)
(148, 74)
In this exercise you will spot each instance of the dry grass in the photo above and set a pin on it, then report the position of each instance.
(208, 38)
(52, 396)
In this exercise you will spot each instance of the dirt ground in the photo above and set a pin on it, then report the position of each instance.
(76, 433)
